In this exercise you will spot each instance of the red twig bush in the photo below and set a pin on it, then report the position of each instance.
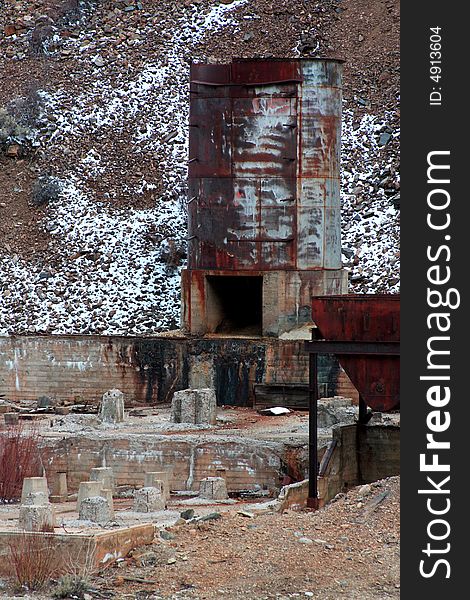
(20, 457)
(33, 560)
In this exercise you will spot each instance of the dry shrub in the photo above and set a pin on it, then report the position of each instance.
(13, 132)
(20, 457)
(33, 560)
(27, 109)
(45, 189)
(77, 572)
(36, 561)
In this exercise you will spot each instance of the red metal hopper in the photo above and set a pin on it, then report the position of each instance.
(365, 332)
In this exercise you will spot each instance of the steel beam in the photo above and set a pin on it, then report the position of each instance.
(349, 347)
(312, 501)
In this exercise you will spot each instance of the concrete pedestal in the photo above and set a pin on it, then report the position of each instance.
(112, 407)
(149, 499)
(213, 488)
(105, 475)
(107, 494)
(194, 406)
(88, 489)
(159, 479)
(32, 485)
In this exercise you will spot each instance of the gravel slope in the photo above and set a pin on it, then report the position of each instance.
(102, 89)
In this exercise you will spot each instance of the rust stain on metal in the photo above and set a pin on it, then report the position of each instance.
(264, 165)
(367, 319)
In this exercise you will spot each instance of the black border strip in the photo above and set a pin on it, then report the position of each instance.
(439, 126)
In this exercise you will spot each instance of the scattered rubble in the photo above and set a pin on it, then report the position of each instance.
(283, 556)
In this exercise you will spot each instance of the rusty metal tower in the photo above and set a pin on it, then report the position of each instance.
(264, 199)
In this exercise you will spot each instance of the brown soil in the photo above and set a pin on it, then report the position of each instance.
(349, 549)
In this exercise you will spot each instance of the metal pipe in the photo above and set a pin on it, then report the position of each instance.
(312, 501)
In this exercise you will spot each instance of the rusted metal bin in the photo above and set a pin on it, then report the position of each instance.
(359, 317)
(264, 157)
(364, 333)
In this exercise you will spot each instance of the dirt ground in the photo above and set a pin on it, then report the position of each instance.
(349, 549)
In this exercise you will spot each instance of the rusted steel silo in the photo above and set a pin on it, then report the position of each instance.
(264, 198)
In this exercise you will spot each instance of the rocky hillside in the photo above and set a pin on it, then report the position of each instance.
(93, 147)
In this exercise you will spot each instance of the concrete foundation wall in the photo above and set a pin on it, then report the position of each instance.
(80, 550)
(362, 454)
(150, 370)
(249, 464)
(286, 297)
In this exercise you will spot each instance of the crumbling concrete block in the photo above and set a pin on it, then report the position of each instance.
(213, 488)
(36, 499)
(105, 475)
(107, 494)
(88, 489)
(112, 407)
(149, 499)
(194, 406)
(95, 509)
(293, 496)
(33, 484)
(159, 479)
(335, 410)
(11, 418)
(36, 518)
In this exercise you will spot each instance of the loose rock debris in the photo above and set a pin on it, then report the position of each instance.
(327, 554)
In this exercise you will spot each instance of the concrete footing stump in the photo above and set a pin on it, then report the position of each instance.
(88, 489)
(32, 485)
(159, 479)
(112, 407)
(194, 406)
(213, 488)
(36, 499)
(95, 509)
(36, 518)
(62, 489)
(149, 499)
(107, 494)
(105, 475)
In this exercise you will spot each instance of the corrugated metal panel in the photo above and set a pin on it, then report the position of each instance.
(264, 165)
